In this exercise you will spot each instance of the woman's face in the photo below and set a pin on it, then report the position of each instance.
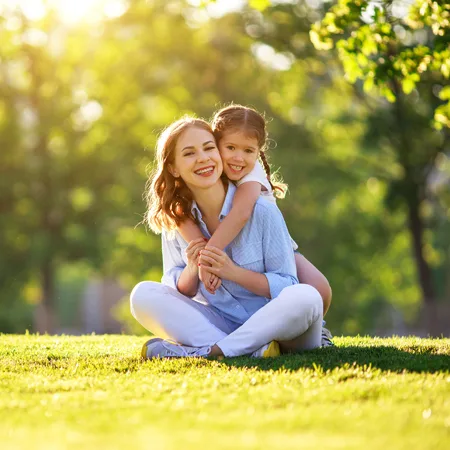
(197, 159)
(239, 153)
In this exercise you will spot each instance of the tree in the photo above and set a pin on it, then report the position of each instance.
(404, 58)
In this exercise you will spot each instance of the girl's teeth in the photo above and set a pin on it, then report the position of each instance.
(236, 167)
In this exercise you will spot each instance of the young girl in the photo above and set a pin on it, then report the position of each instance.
(241, 136)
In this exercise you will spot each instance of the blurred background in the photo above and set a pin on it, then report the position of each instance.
(355, 94)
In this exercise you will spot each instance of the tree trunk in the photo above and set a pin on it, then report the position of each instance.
(416, 227)
(45, 315)
(414, 194)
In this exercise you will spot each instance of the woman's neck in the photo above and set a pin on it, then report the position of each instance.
(210, 202)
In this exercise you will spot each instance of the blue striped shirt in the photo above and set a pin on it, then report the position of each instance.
(263, 246)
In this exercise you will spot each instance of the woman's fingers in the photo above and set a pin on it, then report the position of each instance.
(215, 250)
(206, 259)
(212, 255)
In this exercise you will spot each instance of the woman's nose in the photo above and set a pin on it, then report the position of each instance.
(203, 156)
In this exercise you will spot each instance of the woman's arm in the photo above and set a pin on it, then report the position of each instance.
(243, 202)
(178, 274)
(189, 230)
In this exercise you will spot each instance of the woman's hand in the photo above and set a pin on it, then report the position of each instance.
(192, 254)
(219, 263)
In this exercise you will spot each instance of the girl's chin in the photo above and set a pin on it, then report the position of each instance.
(233, 176)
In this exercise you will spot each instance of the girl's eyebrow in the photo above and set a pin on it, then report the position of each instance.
(191, 147)
(247, 146)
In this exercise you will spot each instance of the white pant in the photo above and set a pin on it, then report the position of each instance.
(295, 314)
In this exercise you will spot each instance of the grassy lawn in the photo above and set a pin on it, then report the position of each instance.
(93, 392)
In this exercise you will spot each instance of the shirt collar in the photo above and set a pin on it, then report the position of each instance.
(226, 207)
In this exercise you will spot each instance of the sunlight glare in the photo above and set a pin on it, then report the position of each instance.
(70, 12)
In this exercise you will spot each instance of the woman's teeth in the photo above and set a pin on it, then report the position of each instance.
(203, 171)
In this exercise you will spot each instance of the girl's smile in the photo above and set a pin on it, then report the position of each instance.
(239, 153)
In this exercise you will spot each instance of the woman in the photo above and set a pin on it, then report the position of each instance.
(259, 309)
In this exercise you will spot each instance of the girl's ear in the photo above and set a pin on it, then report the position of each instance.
(172, 171)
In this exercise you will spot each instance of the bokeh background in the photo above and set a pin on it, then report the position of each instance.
(359, 131)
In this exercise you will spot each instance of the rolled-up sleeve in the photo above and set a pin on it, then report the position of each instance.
(279, 260)
(173, 263)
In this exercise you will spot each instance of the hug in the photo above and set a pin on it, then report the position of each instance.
(231, 271)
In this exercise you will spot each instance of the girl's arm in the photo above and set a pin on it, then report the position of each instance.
(244, 200)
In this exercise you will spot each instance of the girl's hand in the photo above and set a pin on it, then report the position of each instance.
(212, 282)
(192, 253)
(219, 262)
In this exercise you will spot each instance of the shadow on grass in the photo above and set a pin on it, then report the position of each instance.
(382, 357)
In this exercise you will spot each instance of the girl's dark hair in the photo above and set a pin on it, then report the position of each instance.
(238, 117)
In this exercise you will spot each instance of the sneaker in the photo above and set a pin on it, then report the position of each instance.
(160, 348)
(327, 338)
(269, 350)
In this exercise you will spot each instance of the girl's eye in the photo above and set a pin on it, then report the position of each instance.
(248, 150)
(230, 147)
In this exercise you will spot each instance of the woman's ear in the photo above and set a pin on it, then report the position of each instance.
(172, 171)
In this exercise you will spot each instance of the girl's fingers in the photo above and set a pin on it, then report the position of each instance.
(195, 243)
(216, 283)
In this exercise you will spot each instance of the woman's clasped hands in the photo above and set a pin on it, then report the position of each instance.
(193, 251)
(217, 262)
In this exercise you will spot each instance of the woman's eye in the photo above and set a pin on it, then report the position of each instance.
(210, 148)
(188, 153)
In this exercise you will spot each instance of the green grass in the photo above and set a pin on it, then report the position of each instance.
(93, 392)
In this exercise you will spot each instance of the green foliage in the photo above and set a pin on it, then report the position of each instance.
(77, 135)
(374, 44)
(341, 397)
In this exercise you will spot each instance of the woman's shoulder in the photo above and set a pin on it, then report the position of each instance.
(265, 209)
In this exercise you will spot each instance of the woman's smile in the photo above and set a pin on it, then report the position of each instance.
(197, 159)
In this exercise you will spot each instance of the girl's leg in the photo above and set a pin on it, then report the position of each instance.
(309, 274)
(170, 315)
(295, 314)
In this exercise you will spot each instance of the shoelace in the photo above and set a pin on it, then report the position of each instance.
(174, 349)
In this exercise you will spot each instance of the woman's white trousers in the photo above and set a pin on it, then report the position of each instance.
(295, 314)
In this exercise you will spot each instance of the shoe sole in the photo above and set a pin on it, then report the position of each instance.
(272, 350)
(144, 347)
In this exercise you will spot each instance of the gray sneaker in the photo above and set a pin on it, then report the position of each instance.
(160, 348)
(327, 338)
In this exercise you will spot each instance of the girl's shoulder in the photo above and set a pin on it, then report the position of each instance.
(256, 174)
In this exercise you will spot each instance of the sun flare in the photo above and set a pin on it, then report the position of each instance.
(70, 11)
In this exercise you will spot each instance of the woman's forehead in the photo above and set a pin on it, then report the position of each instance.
(194, 136)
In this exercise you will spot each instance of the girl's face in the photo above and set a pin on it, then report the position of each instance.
(197, 160)
(239, 153)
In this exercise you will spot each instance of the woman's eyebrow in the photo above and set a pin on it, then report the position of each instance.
(207, 142)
